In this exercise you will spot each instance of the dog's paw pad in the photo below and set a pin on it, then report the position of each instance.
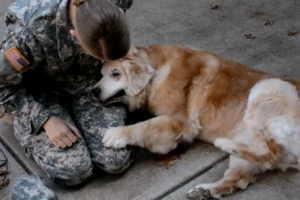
(199, 194)
(113, 137)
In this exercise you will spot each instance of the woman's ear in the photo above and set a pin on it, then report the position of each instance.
(73, 33)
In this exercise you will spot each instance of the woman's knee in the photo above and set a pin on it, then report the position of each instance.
(67, 167)
(70, 175)
(71, 171)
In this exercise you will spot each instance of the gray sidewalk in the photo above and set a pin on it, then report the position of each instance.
(223, 31)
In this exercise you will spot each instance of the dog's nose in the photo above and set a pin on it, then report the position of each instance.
(96, 91)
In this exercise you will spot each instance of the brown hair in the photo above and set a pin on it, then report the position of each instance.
(102, 30)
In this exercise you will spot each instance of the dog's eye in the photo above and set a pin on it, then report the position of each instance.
(115, 73)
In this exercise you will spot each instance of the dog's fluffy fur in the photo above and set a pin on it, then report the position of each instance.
(196, 94)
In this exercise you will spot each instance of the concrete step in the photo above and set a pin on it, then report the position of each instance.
(221, 30)
(148, 178)
(273, 185)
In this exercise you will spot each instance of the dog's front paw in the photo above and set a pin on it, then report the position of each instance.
(114, 137)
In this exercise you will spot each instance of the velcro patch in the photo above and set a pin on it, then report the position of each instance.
(16, 59)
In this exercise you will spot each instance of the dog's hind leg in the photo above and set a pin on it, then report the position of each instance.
(238, 176)
(267, 154)
(160, 134)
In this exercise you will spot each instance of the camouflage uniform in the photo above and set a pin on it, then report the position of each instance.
(56, 81)
(31, 187)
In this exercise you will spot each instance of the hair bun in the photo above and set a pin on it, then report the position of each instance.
(123, 4)
(78, 2)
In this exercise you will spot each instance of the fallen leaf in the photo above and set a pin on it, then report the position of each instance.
(214, 6)
(268, 22)
(292, 33)
(249, 36)
(166, 161)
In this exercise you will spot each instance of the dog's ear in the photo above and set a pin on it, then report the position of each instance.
(138, 77)
(133, 50)
(131, 53)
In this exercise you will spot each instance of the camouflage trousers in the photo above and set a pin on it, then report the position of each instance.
(73, 165)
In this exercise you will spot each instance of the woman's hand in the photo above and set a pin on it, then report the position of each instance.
(61, 133)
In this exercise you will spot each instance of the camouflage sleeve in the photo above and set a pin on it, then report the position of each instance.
(19, 53)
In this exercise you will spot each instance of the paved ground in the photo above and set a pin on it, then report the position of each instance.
(223, 31)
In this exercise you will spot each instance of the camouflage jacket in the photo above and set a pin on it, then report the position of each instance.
(38, 52)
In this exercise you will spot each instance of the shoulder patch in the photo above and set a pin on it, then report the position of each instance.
(16, 59)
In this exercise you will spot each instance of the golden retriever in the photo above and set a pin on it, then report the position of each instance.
(194, 93)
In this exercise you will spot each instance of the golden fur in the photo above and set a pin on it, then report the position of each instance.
(196, 94)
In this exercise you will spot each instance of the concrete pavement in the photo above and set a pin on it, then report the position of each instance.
(223, 31)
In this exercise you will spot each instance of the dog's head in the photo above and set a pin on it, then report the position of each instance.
(124, 77)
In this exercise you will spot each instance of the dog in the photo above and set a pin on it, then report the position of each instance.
(196, 94)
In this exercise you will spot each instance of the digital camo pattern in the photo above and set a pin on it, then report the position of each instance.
(56, 82)
(71, 166)
(41, 32)
(31, 187)
(87, 113)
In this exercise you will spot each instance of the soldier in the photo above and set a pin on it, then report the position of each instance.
(49, 61)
